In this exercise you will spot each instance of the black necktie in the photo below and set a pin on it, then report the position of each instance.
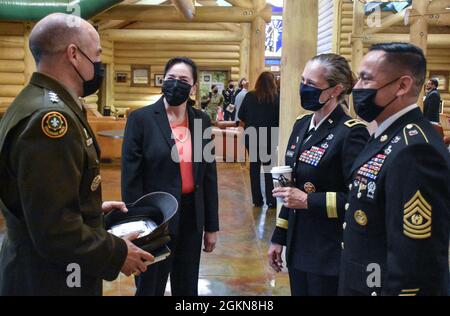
(308, 135)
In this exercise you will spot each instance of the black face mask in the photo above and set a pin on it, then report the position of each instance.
(364, 102)
(90, 86)
(310, 97)
(176, 92)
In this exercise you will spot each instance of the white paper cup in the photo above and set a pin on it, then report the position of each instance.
(282, 177)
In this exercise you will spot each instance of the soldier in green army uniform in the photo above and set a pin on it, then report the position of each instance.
(50, 191)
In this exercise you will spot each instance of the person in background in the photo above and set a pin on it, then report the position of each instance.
(432, 102)
(240, 95)
(215, 103)
(228, 102)
(240, 87)
(321, 151)
(260, 111)
(157, 155)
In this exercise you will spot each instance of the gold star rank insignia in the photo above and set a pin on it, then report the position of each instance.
(54, 125)
(417, 217)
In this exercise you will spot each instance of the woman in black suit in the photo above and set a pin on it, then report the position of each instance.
(166, 149)
(321, 151)
(260, 111)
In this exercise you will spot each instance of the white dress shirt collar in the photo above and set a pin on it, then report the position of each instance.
(390, 120)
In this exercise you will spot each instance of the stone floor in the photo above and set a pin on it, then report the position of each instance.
(238, 266)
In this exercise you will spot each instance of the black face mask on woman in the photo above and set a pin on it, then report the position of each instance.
(310, 97)
(176, 92)
(364, 102)
(90, 86)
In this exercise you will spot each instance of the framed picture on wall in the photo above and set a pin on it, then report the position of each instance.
(207, 78)
(159, 78)
(121, 77)
(140, 76)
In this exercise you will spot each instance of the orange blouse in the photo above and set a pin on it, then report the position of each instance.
(183, 142)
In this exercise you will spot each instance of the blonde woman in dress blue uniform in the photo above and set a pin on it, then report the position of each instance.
(320, 151)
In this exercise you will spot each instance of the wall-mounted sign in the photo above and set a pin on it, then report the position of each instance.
(140, 76)
(274, 32)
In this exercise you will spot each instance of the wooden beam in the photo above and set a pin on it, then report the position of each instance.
(177, 47)
(418, 33)
(186, 7)
(175, 26)
(179, 36)
(434, 40)
(246, 4)
(300, 24)
(439, 17)
(146, 13)
(337, 29)
(232, 27)
(257, 49)
(259, 5)
(387, 22)
(30, 64)
(357, 42)
(245, 51)
(168, 54)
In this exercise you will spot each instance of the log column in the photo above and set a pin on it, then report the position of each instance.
(257, 49)
(357, 41)
(300, 23)
(418, 32)
(244, 62)
(30, 65)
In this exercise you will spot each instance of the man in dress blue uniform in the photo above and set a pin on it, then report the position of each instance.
(396, 229)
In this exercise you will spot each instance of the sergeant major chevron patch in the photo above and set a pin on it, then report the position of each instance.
(417, 217)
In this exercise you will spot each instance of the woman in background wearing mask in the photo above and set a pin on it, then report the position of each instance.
(158, 155)
(321, 150)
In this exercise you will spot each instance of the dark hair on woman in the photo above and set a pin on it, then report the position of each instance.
(266, 88)
(337, 72)
(182, 60)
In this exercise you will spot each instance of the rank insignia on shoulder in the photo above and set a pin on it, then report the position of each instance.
(301, 116)
(53, 97)
(417, 217)
(383, 138)
(412, 130)
(54, 125)
(354, 122)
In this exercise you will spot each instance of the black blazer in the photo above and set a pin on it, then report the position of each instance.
(432, 105)
(147, 165)
(313, 237)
